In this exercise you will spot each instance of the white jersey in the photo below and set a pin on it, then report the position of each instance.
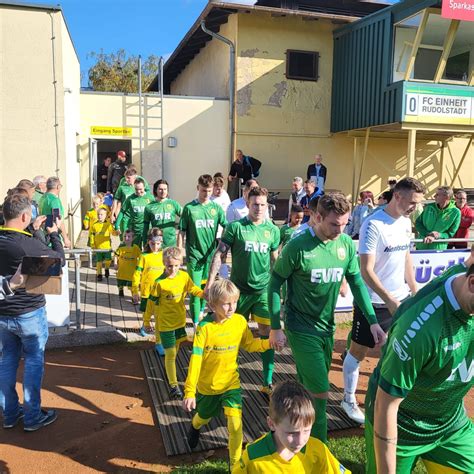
(224, 201)
(389, 240)
(238, 210)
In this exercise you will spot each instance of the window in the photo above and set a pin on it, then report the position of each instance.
(302, 65)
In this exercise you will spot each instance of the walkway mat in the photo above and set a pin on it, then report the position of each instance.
(174, 421)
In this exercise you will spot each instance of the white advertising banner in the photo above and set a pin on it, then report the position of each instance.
(57, 306)
(428, 265)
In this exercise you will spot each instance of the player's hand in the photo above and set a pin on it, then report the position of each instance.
(392, 306)
(380, 338)
(17, 280)
(277, 339)
(343, 290)
(189, 404)
(135, 299)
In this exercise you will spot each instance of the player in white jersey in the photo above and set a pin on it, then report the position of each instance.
(387, 269)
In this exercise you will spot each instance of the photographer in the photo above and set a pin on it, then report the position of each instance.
(23, 323)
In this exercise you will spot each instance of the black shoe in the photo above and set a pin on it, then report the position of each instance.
(193, 437)
(99, 277)
(176, 393)
(12, 422)
(107, 273)
(46, 418)
(121, 292)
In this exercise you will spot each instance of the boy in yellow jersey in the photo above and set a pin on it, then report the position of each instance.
(126, 260)
(100, 238)
(167, 294)
(289, 446)
(91, 216)
(150, 267)
(213, 370)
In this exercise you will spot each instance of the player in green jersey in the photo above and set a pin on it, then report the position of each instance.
(253, 242)
(199, 223)
(414, 404)
(162, 214)
(314, 265)
(133, 210)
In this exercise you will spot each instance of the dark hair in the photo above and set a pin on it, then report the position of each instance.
(387, 195)
(470, 270)
(139, 181)
(218, 175)
(153, 232)
(15, 205)
(205, 180)
(25, 184)
(20, 191)
(296, 208)
(251, 183)
(257, 191)
(218, 181)
(291, 400)
(313, 204)
(409, 184)
(157, 183)
(333, 202)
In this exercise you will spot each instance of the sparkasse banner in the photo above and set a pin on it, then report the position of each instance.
(458, 9)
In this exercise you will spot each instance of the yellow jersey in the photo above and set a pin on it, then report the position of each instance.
(91, 216)
(213, 366)
(150, 267)
(168, 296)
(261, 457)
(100, 235)
(127, 259)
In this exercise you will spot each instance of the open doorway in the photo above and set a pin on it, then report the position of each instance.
(107, 148)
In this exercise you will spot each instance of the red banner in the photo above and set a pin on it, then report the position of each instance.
(458, 9)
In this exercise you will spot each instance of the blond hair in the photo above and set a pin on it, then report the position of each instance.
(172, 253)
(223, 290)
(291, 400)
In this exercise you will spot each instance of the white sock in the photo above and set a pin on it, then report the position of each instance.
(224, 270)
(350, 370)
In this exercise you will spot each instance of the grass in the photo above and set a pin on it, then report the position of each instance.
(350, 451)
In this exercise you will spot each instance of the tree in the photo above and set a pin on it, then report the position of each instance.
(117, 72)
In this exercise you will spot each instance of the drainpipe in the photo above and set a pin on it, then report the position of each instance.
(231, 84)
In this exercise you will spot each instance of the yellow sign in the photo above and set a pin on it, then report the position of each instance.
(114, 131)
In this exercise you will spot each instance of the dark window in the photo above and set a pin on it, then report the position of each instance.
(302, 65)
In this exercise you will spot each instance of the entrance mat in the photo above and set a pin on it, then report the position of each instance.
(174, 422)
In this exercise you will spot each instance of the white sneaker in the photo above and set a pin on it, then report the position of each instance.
(353, 411)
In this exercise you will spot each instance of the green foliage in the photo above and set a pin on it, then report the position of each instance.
(118, 72)
(212, 466)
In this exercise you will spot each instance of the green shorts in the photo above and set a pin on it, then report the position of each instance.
(143, 303)
(103, 256)
(209, 406)
(312, 356)
(256, 306)
(169, 339)
(448, 455)
(122, 283)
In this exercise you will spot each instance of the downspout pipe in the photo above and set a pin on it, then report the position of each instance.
(231, 84)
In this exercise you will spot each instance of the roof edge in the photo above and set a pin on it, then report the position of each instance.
(35, 6)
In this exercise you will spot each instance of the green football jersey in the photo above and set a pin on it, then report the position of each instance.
(251, 246)
(48, 202)
(162, 214)
(200, 222)
(285, 233)
(123, 192)
(427, 361)
(132, 214)
(314, 271)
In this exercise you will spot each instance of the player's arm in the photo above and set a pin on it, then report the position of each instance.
(386, 432)
(190, 386)
(136, 279)
(253, 344)
(410, 273)
(193, 289)
(92, 238)
(86, 221)
(277, 337)
(216, 264)
(183, 225)
(146, 224)
(241, 466)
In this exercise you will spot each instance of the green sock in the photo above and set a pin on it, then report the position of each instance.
(268, 362)
(320, 425)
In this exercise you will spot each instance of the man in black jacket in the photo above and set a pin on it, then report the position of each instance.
(317, 172)
(244, 168)
(23, 324)
(116, 171)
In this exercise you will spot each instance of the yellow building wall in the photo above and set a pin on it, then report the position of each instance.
(33, 124)
(200, 127)
(207, 74)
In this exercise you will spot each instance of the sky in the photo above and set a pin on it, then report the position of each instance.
(139, 26)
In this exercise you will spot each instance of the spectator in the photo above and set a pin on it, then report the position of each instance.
(359, 213)
(317, 172)
(102, 175)
(467, 217)
(116, 171)
(243, 168)
(23, 324)
(391, 183)
(40, 187)
(439, 220)
(311, 192)
(50, 201)
(29, 187)
(297, 192)
(238, 208)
